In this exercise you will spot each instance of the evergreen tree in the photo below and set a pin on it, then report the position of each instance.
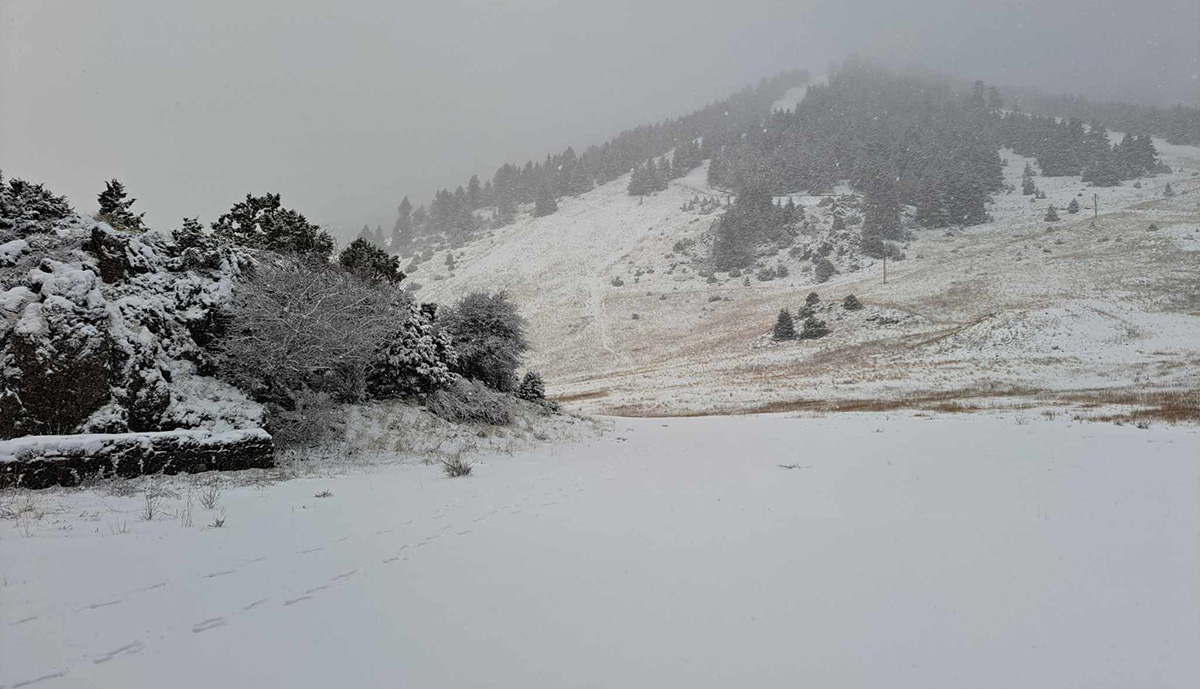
(370, 263)
(1051, 214)
(115, 210)
(932, 203)
(262, 222)
(785, 328)
(402, 230)
(881, 207)
(813, 328)
(1168, 191)
(851, 303)
(532, 388)
(546, 203)
(640, 182)
(474, 193)
(191, 235)
(823, 269)
(1073, 207)
(365, 234)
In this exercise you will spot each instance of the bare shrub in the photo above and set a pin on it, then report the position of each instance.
(185, 515)
(210, 495)
(469, 401)
(313, 418)
(297, 326)
(152, 505)
(455, 467)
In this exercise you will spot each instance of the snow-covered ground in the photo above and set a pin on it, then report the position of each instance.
(624, 319)
(994, 550)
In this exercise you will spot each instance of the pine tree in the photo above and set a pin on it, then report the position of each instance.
(546, 204)
(1027, 186)
(370, 263)
(1168, 192)
(531, 389)
(639, 182)
(1051, 214)
(785, 328)
(402, 230)
(262, 222)
(114, 209)
(1073, 207)
(932, 204)
(813, 328)
(474, 193)
(881, 205)
(851, 303)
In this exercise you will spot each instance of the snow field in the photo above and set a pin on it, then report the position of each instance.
(888, 550)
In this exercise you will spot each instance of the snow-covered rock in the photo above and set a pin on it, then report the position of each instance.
(42, 461)
(104, 331)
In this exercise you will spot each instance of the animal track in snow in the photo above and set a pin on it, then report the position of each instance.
(135, 647)
(210, 623)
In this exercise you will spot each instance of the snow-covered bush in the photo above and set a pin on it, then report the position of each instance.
(27, 208)
(295, 326)
(261, 222)
(414, 358)
(97, 335)
(489, 336)
(532, 388)
(470, 401)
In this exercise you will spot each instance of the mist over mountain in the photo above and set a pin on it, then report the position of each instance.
(345, 112)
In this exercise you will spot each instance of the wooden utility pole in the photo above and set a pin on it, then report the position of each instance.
(1095, 209)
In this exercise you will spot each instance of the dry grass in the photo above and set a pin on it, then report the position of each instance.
(581, 396)
(1166, 406)
(947, 401)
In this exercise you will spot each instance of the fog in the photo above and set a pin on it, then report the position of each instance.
(346, 107)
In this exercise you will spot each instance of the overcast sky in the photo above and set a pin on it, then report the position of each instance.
(345, 106)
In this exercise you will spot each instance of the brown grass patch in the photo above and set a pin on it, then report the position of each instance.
(946, 401)
(1168, 406)
(580, 396)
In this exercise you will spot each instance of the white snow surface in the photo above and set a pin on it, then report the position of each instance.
(894, 551)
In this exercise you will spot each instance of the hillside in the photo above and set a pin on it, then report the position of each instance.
(624, 320)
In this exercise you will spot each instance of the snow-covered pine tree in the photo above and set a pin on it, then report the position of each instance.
(115, 210)
(402, 230)
(545, 204)
(532, 388)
